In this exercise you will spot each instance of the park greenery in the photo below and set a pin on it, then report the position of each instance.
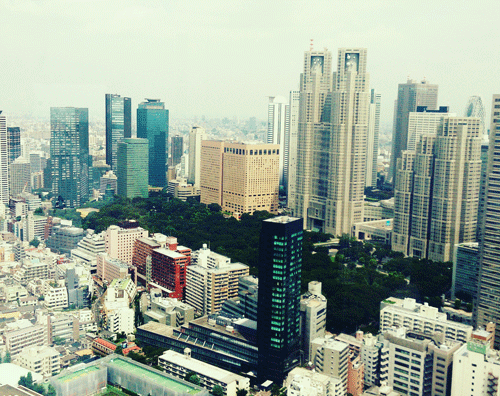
(354, 280)
(27, 382)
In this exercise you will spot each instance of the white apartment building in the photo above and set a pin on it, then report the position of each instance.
(88, 248)
(330, 357)
(476, 370)
(42, 360)
(312, 316)
(109, 268)
(304, 382)
(61, 326)
(118, 316)
(125, 284)
(421, 318)
(375, 356)
(31, 269)
(119, 241)
(27, 335)
(179, 365)
(169, 311)
(212, 279)
(55, 294)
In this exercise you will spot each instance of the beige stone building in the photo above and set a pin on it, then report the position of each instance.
(242, 178)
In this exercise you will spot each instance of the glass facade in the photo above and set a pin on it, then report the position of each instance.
(132, 168)
(69, 153)
(280, 266)
(177, 148)
(152, 124)
(13, 143)
(118, 125)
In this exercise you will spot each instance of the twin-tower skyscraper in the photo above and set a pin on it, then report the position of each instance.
(330, 141)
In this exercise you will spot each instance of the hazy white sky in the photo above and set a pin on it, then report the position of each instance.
(223, 57)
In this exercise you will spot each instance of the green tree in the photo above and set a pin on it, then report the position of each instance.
(277, 390)
(51, 391)
(193, 378)
(7, 358)
(39, 211)
(241, 392)
(217, 390)
(35, 242)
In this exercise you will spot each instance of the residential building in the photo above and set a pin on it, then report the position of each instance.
(372, 140)
(55, 294)
(143, 249)
(132, 168)
(211, 279)
(168, 269)
(19, 176)
(196, 136)
(127, 286)
(465, 270)
(355, 375)
(278, 129)
(293, 124)
(312, 316)
(436, 193)
(42, 360)
(476, 370)
(330, 357)
(119, 240)
(117, 315)
(178, 365)
(410, 95)
(375, 356)
(109, 268)
(69, 154)
(421, 318)
(176, 149)
(31, 269)
(152, 124)
(245, 181)
(4, 161)
(13, 143)
(278, 315)
(168, 311)
(486, 307)
(118, 125)
(27, 335)
(102, 347)
(304, 382)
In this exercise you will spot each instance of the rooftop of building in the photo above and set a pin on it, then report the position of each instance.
(11, 373)
(8, 390)
(170, 253)
(149, 241)
(202, 368)
(158, 328)
(282, 219)
(105, 343)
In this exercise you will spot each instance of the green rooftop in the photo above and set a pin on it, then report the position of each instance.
(78, 373)
(162, 380)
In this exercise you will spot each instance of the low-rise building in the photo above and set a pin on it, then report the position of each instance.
(303, 382)
(27, 335)
(42, 360)
(55, 294)
(178, 365)
(169, 311)
(103, 347)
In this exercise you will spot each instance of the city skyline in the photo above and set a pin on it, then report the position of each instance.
(232, 41)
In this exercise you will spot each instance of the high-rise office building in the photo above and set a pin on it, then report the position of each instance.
(332, 141)
(313, 132)
(372, 140)
(69, 154)
(196, 136)
(118, 125)
(482, 187)
(152, 124)
(487, 307)
(20, 176)
(293, 123)
(13, 143)
(278, 316)
(132, 168)
(410, 95)
(177, 149)
(423, 121)
(4, 161)
(278, 129)
(437, 191)
(242, 178)
(475, 108)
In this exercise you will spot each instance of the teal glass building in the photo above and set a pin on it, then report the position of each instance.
(152, 124)
(132, 168)
(278, 315)
(118, 125)
(69, 154)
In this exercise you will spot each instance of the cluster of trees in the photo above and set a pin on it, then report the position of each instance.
(354, 281)
(27, 381)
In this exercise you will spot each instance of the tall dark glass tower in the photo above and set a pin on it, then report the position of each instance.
(177, 148)
(69, 154)
(152, 124)
(280, 265)
(13, 143)
(118, 125)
